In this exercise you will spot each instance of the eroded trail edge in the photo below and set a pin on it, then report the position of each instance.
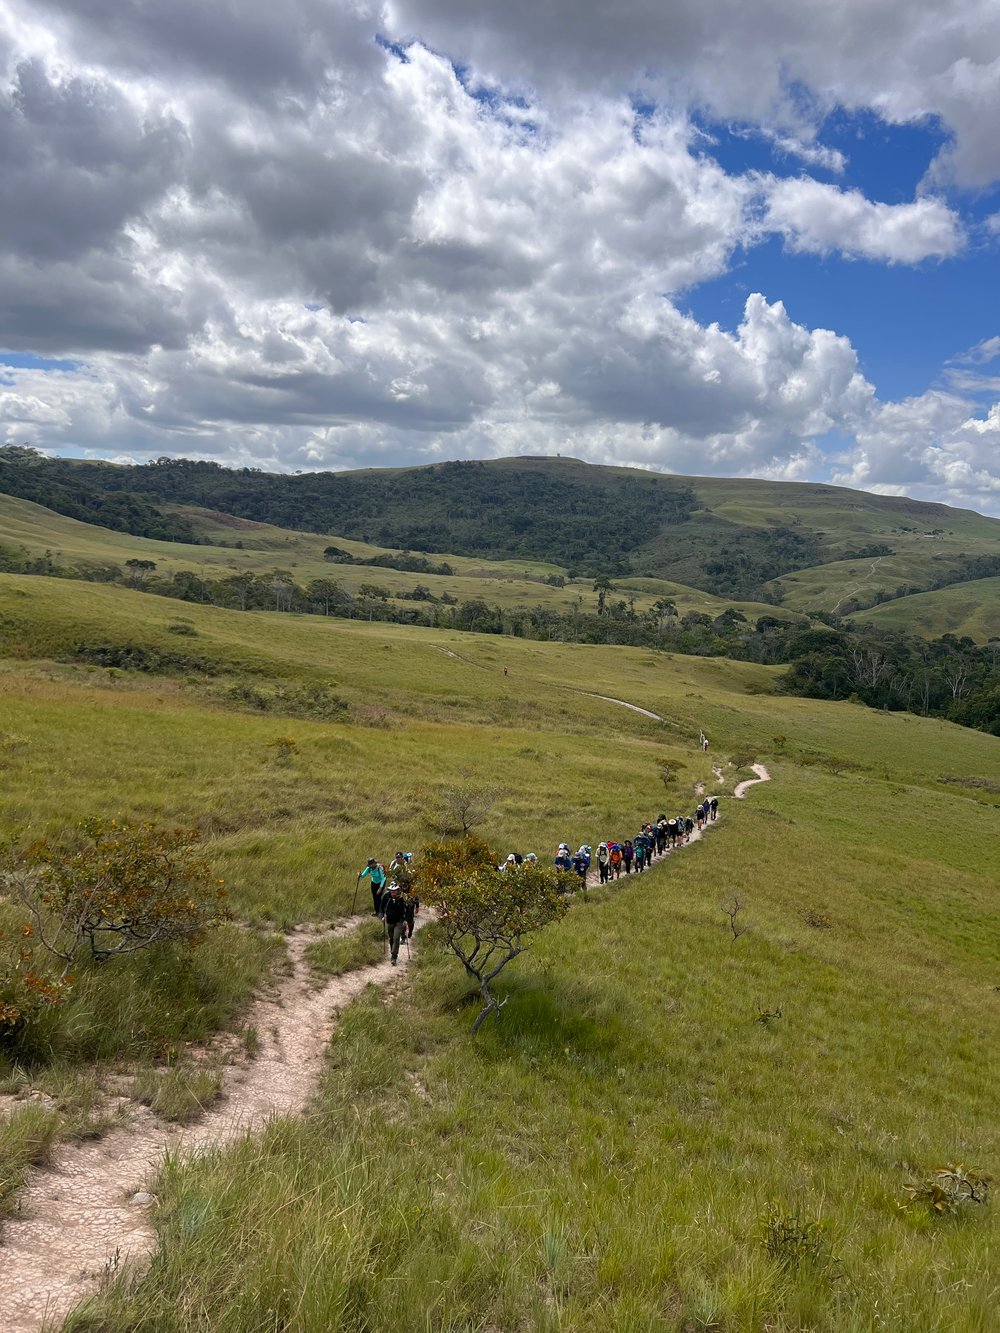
(76, 1215)
(742, 788)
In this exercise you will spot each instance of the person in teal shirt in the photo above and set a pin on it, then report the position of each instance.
(376, 872)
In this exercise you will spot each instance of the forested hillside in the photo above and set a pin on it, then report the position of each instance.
(736, 539)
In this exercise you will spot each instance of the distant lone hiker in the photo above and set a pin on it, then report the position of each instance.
(394, 914)
(704, 743)
(377, 874)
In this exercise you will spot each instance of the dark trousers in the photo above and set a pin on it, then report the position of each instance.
(396, 934)
(376, 896)
(604, 872)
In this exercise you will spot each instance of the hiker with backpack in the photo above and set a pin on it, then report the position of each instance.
(393, 913)
(581, 863)
(412, 904)
(375, 871)
(628, 854)
(639, 848)
(615, 858)
(714, 807)
(604, 861)
(563, 859)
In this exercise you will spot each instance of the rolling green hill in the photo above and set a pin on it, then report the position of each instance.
(632, 1147)
(738, 539)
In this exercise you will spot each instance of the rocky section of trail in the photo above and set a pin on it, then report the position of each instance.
(89, 1209)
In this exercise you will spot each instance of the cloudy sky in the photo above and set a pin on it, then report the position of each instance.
(709, 236)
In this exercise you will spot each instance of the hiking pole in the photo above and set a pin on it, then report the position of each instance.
(385, 938)
(357, 884)
(407, 939)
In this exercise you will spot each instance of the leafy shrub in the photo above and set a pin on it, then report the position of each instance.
(949, 1190)
(127, 887)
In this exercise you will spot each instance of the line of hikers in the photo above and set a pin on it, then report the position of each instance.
(395, 903)
(633, 854)
(393, 899)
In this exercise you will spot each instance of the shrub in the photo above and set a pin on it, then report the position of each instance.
(792, 1241)
(127, 887)
(485, 913)
(949, 1190)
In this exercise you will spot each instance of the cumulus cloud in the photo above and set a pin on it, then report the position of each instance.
(303, 235)
(930, 446)
(816, 217)
(783, 62)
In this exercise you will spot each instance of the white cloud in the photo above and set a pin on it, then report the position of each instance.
(273, 241)
(820, 218)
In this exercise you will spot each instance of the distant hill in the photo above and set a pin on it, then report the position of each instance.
(806, 546)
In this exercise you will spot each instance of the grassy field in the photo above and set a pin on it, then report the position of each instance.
(32, 530)
(631, 1148)
(971, 608)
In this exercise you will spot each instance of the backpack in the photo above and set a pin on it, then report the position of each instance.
(616, 856)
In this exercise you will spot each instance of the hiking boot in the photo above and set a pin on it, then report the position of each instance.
(393, 962)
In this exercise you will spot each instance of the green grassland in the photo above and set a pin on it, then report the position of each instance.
(971, 608)
(604, 1158)
(33, 530)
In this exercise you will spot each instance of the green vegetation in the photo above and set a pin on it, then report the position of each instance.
(345, 953)
(629, 1147)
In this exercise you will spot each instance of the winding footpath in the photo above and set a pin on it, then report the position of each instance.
(77, 1215)
(87, 1212)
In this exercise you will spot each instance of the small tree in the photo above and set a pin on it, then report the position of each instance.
(467, 804)
(138, 571)
(485, 913)
(127, 887)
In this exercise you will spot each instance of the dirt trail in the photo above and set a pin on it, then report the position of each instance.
(850, 593)
(76, 1215)
(634, 707)
(743, 787)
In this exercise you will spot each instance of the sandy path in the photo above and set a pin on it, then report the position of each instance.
(621, 702)
(743, 787)
(75, 1216)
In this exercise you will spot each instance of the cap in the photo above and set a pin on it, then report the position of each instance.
(393, 888)
(512, 857)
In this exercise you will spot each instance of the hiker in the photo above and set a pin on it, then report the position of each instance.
(615, 858)
(604, 861)
(628, 853)
(639, 847)
(688, 828)
(662, 833)
(580, 864)
(532, 858)
(376, 872)
(699, 814)
(714, 807)
(394, 915)
(510, 863)
(704, 743)
(563, 860)
(412, 904)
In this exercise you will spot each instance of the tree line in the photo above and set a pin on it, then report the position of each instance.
(828, 657)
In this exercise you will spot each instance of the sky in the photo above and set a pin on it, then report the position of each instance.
(705, 237)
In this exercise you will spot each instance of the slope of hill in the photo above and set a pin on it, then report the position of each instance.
(228, 546)
(731, 538)
(669, 1128)
(971, 609)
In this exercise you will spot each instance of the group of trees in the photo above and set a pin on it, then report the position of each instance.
(829, 657)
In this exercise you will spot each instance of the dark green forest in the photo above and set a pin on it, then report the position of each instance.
(593, 521)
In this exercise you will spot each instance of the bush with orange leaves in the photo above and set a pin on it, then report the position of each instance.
(127, 886)
(484, 912)
(25, 989)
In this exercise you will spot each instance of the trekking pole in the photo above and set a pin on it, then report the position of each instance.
(407, 939)
(385, 938)
(357, 885)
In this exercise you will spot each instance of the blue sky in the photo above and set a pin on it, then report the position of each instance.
(764, 238)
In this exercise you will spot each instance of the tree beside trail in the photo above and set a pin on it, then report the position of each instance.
(485, 914)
